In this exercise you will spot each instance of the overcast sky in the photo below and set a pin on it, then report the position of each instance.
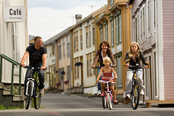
(47, 18)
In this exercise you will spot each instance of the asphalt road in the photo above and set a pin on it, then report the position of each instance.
(65, 105)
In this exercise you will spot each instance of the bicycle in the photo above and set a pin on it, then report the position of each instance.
(107, 99)
(32, 89)
(135, 92)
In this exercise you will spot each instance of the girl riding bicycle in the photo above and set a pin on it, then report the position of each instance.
(135, 55)
(107, 75)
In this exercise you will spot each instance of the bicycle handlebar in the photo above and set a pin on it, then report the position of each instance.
(35, 68)
(106, 81)
(100, 67)
(137, 66)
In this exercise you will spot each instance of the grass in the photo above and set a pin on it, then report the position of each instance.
(2, 107)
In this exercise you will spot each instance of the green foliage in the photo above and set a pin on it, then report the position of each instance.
(2, 107)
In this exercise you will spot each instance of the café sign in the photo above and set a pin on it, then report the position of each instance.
(15, 14)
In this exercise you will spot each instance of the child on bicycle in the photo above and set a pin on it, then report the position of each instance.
(107, 75)
(135, 55)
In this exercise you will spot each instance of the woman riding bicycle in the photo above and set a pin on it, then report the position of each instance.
(107, 75)
(102, 53)
(135, 55)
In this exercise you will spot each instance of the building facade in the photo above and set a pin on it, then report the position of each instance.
(83, 53)
(13, 40)
(50, 78)
(151, 28)
(113, 25)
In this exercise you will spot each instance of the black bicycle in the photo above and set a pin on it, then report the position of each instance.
(32, 90)
(135, 92)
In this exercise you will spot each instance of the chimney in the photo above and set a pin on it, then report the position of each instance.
(78, 17)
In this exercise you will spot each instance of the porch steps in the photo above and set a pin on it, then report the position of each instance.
(148, 102)
(9, 100)
(6, 92)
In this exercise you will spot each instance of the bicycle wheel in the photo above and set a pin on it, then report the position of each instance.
(109, 101)
(37, 98)
(28, 97)
(135, 96)
(104, 103)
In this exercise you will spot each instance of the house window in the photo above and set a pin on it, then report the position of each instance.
(106, 30)
(118, 27)
(94, 70)
(143, 24)
(15, 43)
(154, 14)
(67, 39)
(112, 33)
(68, 46)
(68, 50)
(101, 33)
(119, 71)
(90, 62)
(52, 49)
(149, 16)
(63, 47)
(93, 32)
(137, 28)
(87, 65)
(77, 44)
(77, 68)
(75, 76)
(60, 52)
(68, 73)
(87, 39)
(81, 42)
(87, 22)
(155, 74)
(146, 76)
(74, 44)
(111, 2)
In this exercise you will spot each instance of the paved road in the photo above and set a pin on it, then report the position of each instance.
(64, 105)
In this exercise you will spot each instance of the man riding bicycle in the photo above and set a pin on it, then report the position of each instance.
(37, 58)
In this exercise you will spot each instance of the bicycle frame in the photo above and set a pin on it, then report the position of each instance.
(32, 80)
(107, 85)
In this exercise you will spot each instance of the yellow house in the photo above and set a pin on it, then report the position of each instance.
(113, 25)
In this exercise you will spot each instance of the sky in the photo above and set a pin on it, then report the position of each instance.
(47, 18)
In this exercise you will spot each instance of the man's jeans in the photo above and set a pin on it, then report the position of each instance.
(99, 85)
(41, 78)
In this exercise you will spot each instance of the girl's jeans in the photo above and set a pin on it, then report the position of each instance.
(129, 80)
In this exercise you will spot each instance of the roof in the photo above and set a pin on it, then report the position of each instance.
(86, 18)
(129, 2)
(31, 37)
(56, 37)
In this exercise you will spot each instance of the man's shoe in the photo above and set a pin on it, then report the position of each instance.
(142, 92)
(99, 93)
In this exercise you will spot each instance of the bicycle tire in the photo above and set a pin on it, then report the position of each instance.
(135, 96)
(37, 98)
(109, 101)
(28, 98)
(104, 103)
